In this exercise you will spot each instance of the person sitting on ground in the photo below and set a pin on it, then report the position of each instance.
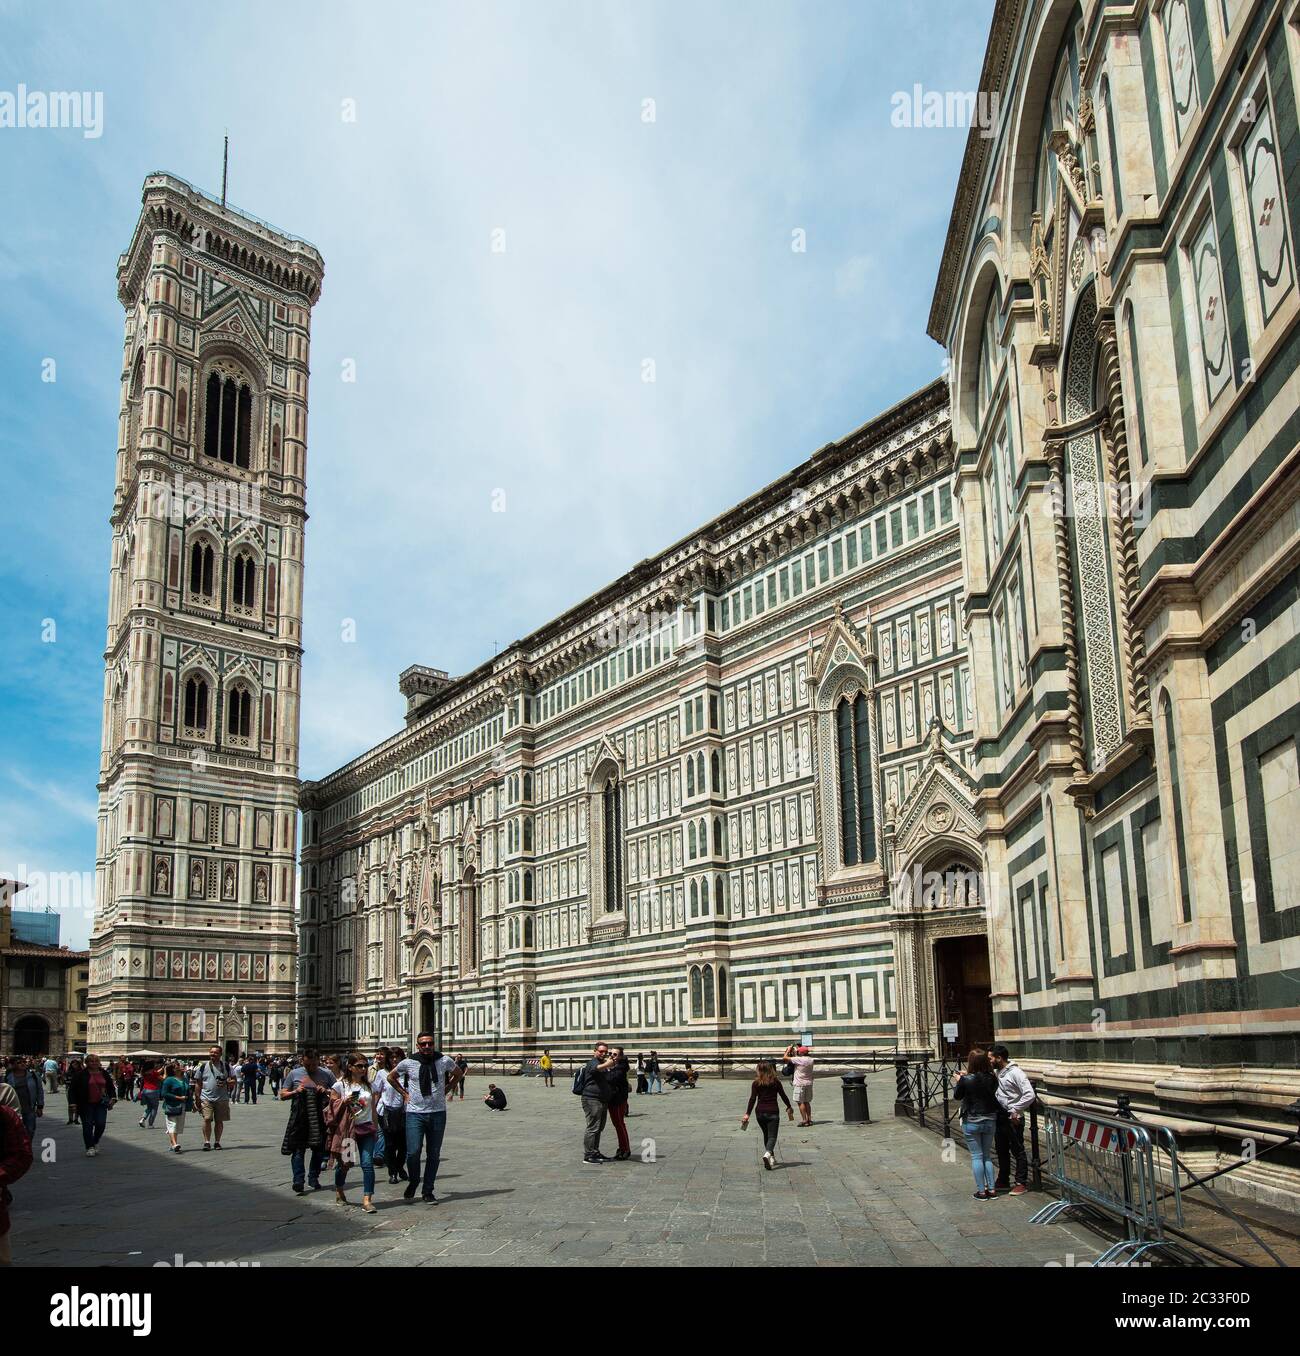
(495, 1099)
(684, 1078)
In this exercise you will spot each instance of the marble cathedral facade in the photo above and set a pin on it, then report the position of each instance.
(673, 814)
(983, 718)
(1118, 298)
(194, 938)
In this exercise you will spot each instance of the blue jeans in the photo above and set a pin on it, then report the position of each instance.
(980, 1135)
(421, 1126)
(149, 1103)
(297, 1161)
(365, 1155)
(651, 1079)
(94, 1117)
(381, 1144)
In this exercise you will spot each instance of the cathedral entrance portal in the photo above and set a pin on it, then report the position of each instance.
(428, 1014)
(963, 990)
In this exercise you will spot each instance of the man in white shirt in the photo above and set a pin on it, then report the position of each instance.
(423, 1083)
(1015, 1094)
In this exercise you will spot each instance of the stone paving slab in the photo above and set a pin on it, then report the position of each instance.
(514, 1192)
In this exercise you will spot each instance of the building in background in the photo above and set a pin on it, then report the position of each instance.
(1118, 298)
(672, 814)
(76, 1002)
(36, 974)
(194, 937)
(39, 926)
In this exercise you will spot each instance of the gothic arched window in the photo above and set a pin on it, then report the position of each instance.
(196, 706)
(228, 420)
(697, 993)
(857, 805)
(201, 562)
(710, 1006)
(990, 358)
(612, 813)
(243, 588)
(239, 719)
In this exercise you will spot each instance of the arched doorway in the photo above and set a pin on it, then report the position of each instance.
(32, 1036)
(963, 992)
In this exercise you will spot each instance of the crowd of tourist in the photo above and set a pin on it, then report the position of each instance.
(389, 1110)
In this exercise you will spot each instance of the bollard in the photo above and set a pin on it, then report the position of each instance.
(856, 1108)
(902, 1089)
(1036, 1163)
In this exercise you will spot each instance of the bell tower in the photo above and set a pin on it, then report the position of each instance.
(194, 938)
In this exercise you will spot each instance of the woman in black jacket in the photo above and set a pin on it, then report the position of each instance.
(93, 1092)
(978, 1090)
(617, 1081)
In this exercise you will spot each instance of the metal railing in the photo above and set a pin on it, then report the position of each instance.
(1174, 1180)
(708, 1064)
(923, 1089)
(1107, 1165)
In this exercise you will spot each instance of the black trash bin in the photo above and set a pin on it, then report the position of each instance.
(855, 1098)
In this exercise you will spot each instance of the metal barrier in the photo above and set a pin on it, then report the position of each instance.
(1107, 1164)
(1175, 1185)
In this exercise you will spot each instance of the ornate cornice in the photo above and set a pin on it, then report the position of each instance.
(264, 259)
(997, 56)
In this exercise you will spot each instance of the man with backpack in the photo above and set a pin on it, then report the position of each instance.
(213, 1083)
(591, 1084)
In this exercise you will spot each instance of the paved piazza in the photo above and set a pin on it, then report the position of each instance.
(513, 1191)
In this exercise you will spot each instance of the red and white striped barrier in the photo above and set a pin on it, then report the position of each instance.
(1096, 1135)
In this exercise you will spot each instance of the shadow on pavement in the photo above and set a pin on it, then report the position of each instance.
(138, 1205)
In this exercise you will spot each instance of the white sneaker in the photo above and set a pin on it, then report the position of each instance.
(90, 1153)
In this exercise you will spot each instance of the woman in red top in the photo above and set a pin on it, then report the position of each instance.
(150, 1093)
(93, 1092)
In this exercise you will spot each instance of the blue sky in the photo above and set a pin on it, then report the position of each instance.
(476, 371)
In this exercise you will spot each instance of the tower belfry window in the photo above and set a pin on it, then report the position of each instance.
(228, 420)
(244, 579)
(239, 720)
(196, 707)
(201, 569)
